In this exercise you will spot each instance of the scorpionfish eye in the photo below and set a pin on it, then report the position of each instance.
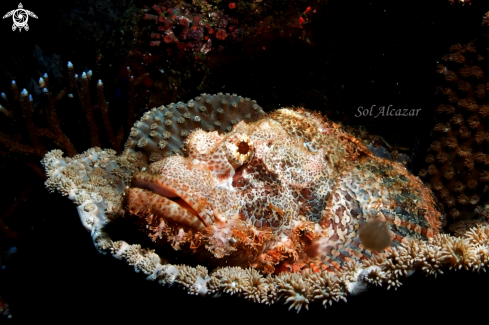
(239, 149)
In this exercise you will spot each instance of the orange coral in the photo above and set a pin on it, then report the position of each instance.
(221, 34)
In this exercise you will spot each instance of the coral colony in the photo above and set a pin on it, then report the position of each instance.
(297, 209)
(458, 162)
(200, 27)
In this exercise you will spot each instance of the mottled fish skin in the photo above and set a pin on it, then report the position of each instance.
(286, 192)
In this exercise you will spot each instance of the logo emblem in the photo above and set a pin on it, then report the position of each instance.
(20, 17)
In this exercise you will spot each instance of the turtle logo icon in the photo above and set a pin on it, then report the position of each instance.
(20, 17)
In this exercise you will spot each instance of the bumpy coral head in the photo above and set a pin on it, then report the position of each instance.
(267, 195)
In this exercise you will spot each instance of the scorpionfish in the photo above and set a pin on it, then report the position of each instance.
(287, 192)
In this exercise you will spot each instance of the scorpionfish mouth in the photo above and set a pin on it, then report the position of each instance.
(151, 195)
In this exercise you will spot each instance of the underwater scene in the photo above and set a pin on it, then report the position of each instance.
(284, 159)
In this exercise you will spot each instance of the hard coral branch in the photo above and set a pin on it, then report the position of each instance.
(20, 108)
